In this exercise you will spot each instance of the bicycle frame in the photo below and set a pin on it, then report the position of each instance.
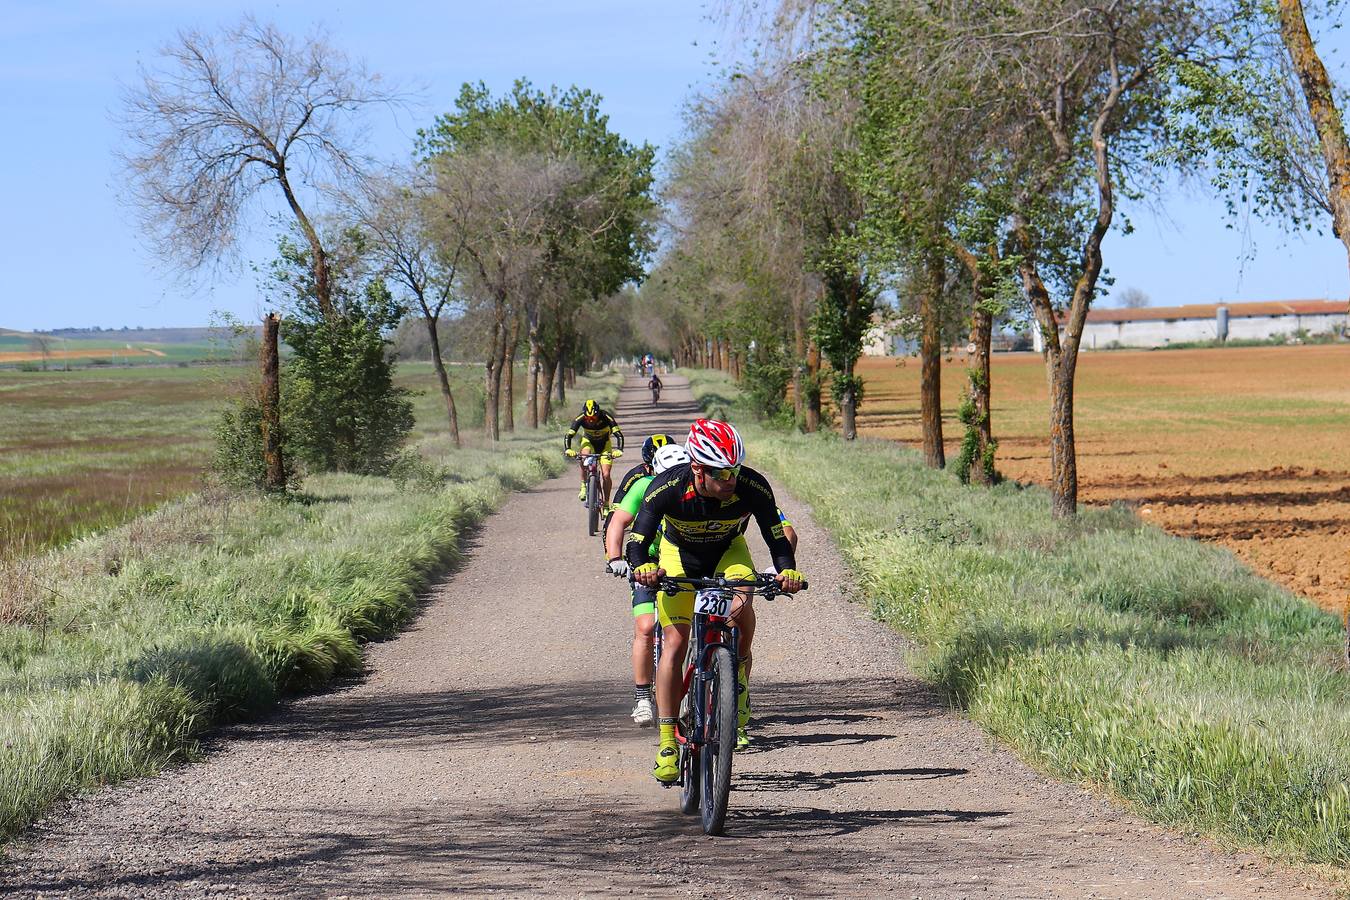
(706, 728)
(706, 634)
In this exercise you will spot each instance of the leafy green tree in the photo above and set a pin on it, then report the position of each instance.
(340, 407)
(1257, 114)
(598, 233)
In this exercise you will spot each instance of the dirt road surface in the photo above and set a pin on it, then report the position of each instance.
(488, 750)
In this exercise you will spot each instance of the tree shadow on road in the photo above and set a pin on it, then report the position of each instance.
(791, 782)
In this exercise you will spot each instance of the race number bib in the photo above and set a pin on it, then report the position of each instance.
(712, 603)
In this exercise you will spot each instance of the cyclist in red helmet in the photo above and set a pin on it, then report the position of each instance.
(701, 509)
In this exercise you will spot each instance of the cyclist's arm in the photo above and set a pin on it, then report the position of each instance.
(650, 513)
(619, 520)
(770, 520)
(616, 433)
(571, 433)
(788, 531)
(623, 516)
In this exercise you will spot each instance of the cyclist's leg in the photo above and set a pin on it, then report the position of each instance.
(605, 465)
(674, 612)
(736, 563)
(644, 618)
(644, 629)
(582, 451)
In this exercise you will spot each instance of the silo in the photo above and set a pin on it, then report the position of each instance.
(1221, 323)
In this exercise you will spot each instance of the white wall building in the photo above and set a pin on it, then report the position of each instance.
(1163, 325)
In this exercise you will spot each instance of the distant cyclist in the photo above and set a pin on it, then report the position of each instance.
(644, 598)
(700, 510)
(655, 385)
(600, 434)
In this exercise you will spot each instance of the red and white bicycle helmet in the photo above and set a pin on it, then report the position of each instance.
(714, 444)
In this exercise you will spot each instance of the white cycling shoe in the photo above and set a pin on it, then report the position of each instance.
(644, 713)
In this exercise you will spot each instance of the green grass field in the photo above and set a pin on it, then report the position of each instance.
(89, 448)
(116, 651)
(20, 351)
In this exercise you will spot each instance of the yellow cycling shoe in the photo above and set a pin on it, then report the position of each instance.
(667, 768)
(742, 739)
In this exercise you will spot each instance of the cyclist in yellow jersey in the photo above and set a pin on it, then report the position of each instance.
(700, 510)
(600, 434)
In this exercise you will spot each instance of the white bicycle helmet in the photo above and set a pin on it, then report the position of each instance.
(668, 457)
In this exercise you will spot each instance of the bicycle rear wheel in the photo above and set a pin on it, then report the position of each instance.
(593, 504)
(720, 740)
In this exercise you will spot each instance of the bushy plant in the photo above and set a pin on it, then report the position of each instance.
(238, 456)
(767, 375)
(340, 407)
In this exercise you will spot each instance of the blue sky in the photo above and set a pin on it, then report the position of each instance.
(73, 258)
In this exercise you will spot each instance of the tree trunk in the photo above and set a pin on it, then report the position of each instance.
(1318, 91)
(444, 379)
(930, 354)
(981, 331)
(493, 381)
(561, 378)
(533, 407)
(979, 426)
(799, 362)
(547, 370)
(1063, 452)
(813, 407)
(848, 406)
(270, 401)
(323, 289)
(509, 372)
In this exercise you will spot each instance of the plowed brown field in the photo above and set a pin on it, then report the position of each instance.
(1244, 447)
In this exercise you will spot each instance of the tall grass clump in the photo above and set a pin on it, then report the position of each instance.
(1103, 650)
(118, 650)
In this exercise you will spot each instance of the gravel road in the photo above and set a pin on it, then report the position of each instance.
(488, 750)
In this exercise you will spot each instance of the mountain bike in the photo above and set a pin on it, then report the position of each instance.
(706, 730)
(595, 498)
(656, 393)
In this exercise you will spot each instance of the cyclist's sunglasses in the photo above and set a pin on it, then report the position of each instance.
(722, 474)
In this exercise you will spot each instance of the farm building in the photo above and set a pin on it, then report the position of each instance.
(1162, 325)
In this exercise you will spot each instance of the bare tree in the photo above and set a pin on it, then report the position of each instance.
(41, 344)
(394, 209)
(1134, 298)
(229, 115)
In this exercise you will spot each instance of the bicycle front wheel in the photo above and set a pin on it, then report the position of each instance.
(593, 505)
(689, 769)
(719, 698)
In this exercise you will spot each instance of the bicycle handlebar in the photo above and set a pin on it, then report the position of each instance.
(762, 584)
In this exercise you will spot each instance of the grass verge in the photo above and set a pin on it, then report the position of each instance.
(1103, 650)
(118, 650)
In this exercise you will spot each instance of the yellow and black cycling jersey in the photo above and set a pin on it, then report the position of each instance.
(704, 527)
(597, 431)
